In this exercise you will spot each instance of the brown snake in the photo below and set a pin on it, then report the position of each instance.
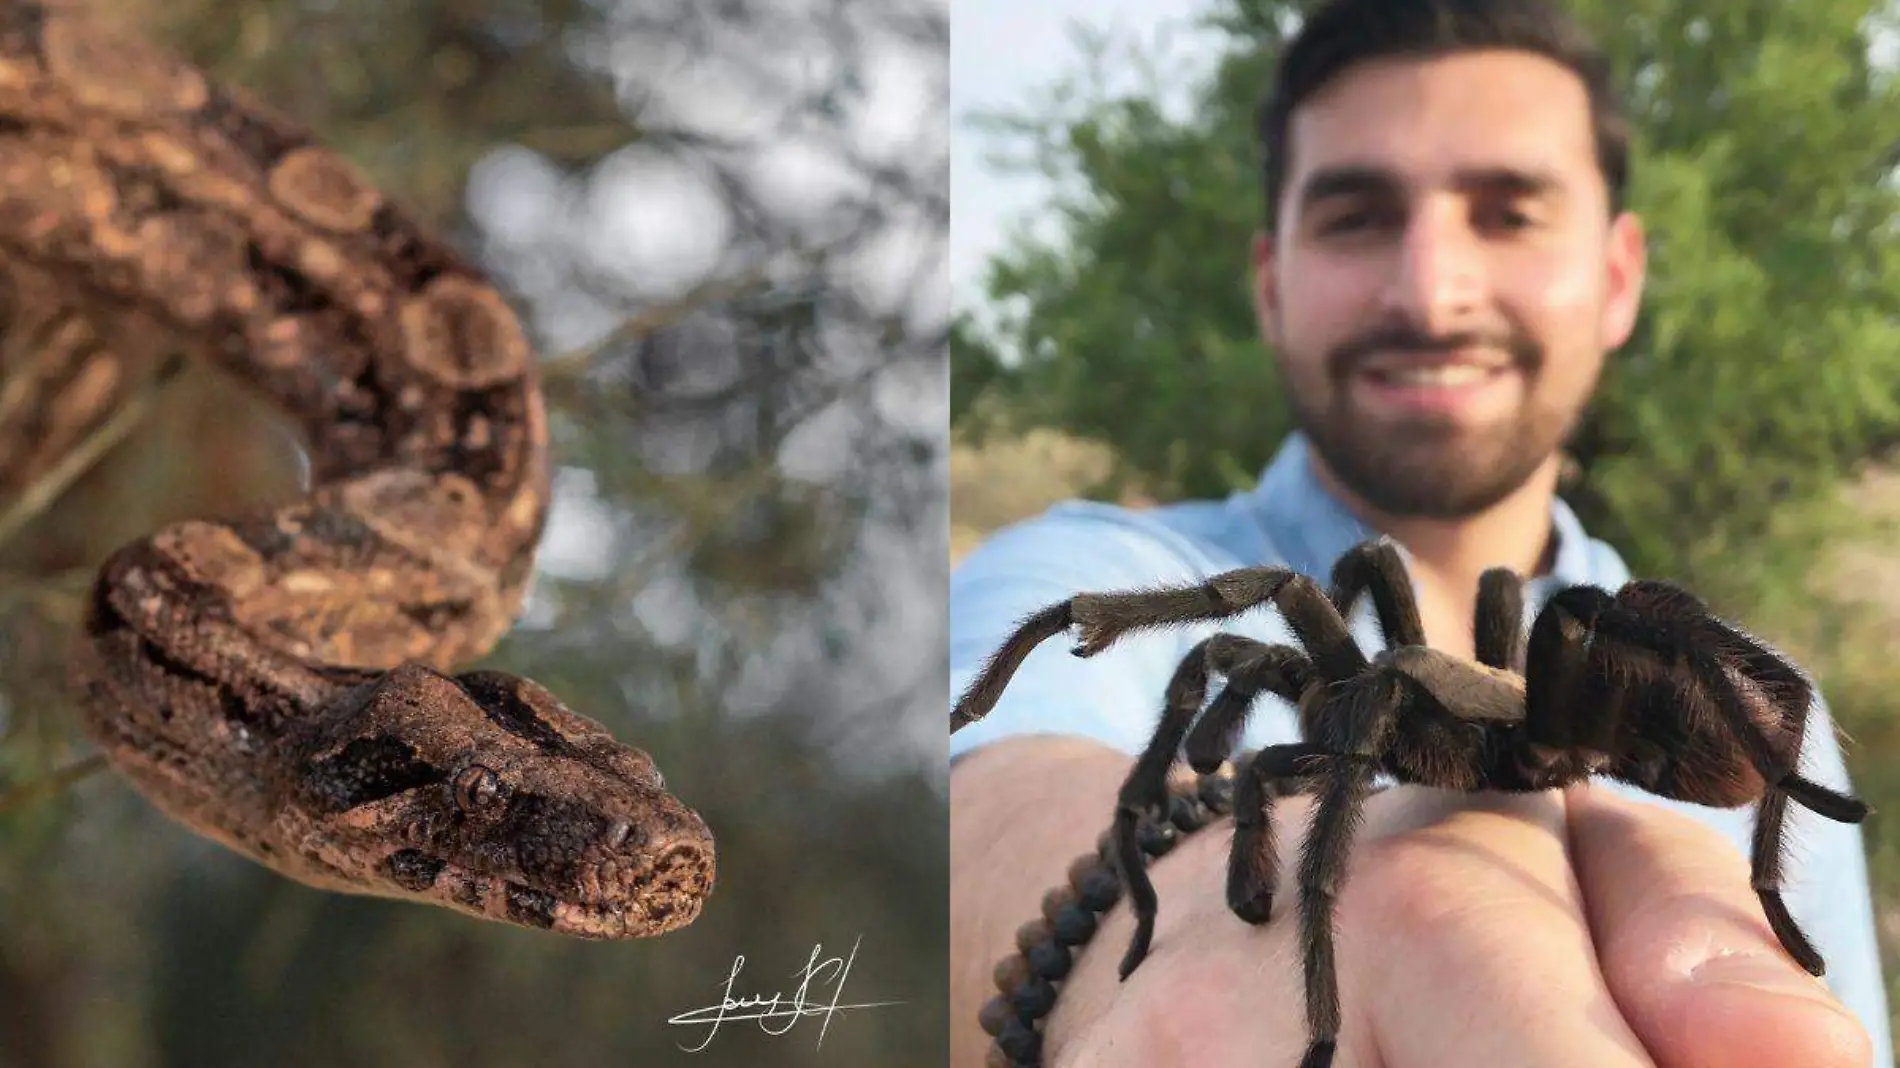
(277, 683)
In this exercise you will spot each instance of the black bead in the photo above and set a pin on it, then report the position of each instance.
(1055, 900)
(1156, 839)
(1036, 930)
(1187, 814)
(996, 1014)
(1051, 960)
(1074, 925)
(1034, 998)
(1009, 972)
(1080, 867)
(1217, 793)
(1022, 1042)
(1100, 890)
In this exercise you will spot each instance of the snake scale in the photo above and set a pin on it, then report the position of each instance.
(279, 683)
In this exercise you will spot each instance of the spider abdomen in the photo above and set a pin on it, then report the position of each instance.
(1672, 740)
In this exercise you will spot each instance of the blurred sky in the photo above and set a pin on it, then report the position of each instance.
(1002, 54)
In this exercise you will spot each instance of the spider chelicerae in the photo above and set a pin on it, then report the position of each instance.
(1645, 686)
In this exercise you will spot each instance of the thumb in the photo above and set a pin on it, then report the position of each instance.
(1687, 951)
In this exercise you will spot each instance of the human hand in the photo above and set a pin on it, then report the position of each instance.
(1537, 931)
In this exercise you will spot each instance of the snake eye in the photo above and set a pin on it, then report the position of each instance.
(476, 788)
(617, 833)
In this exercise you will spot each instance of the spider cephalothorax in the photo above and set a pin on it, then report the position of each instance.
(1645, 686)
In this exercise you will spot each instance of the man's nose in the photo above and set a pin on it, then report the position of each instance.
(1438, 281)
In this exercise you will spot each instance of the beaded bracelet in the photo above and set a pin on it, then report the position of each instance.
(1046, 947)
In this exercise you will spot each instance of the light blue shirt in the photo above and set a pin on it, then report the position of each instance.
(1289, 519)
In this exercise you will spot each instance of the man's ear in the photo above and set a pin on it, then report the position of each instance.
(1626, 266)
(1266, 288)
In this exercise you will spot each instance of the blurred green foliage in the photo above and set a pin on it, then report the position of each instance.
(1763, 379)
(750, 479)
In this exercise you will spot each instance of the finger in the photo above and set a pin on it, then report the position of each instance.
(1465, 925)
(1687, 950)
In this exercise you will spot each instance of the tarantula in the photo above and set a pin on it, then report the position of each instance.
(1645, 686)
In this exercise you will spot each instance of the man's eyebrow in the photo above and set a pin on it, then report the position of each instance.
(1326, 183)
(1360, 180)
(1515, 181)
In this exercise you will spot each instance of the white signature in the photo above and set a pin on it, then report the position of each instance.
(778, 1006)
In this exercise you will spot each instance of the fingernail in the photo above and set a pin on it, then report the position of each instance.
(1769, 975)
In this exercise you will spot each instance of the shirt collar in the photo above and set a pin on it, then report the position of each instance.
(1311, 527)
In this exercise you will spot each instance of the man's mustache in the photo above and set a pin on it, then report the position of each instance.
(1343, 361)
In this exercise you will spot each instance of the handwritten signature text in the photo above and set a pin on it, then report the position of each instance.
(778, 1013)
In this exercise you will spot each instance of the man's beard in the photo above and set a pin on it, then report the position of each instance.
(1429, 467)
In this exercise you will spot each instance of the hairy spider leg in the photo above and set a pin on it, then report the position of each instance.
(1252, 863)
(1376, 566)
(1498, 627)
(1103, 618)
(1561, 694)
(1278, 669)
(1250, 667)
(1359, 720)
(1767, 848)
(1662, 614)
(987, 688)
(1329, 644)
(1787, 687)
(1322, 631)
(1145, 790)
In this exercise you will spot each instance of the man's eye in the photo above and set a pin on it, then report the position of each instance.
(1346, 222)
(1505, 219)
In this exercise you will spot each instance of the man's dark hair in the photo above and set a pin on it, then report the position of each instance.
(1347, 32)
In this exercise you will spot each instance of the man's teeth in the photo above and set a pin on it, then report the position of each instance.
(1450, 375)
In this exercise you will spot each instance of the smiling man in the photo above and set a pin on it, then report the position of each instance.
(1446, 262)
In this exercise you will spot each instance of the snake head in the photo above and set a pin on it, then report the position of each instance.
(483, 793)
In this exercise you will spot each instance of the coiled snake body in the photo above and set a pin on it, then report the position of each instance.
(278, 683)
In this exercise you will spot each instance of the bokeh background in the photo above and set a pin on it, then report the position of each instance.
(724, 224)
(1744, 442)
